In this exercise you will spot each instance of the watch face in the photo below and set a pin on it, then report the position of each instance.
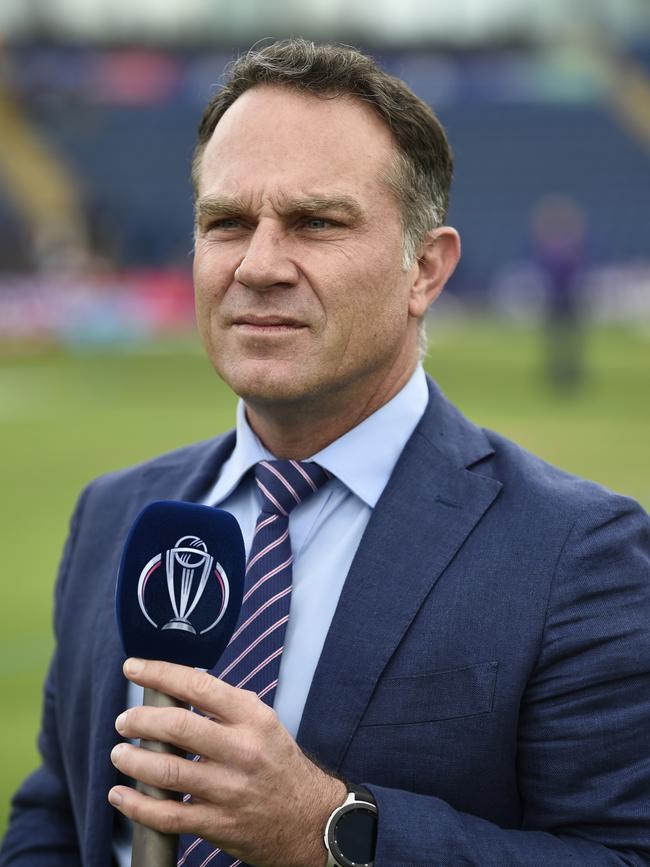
(355, 835)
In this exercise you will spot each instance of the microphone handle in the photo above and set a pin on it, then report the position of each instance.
(152, 848)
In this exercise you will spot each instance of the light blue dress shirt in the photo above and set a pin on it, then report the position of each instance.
(325, 530)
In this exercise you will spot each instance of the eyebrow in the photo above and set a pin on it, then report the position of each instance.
(217, 206)
(316, 204)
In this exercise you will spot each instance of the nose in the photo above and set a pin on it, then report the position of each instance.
(267, 263)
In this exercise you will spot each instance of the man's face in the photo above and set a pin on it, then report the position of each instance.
(300, 291)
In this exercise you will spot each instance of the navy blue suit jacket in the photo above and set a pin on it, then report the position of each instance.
(487, 671)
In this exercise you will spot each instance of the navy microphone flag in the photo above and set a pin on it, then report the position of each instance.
(180, 583)
(179, 594)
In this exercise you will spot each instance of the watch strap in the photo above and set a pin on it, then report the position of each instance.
(361, 793)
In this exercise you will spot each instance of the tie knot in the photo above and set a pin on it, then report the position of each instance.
(284, 484)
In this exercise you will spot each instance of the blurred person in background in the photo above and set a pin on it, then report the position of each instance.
(464, 677)
(558, 226)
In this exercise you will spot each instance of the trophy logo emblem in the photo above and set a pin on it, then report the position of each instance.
(189, 569)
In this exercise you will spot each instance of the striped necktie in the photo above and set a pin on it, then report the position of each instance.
(252, 659)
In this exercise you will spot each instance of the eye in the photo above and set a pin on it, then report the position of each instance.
(318, 223)
(225, 223)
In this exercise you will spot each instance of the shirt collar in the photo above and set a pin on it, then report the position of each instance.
(380, 438)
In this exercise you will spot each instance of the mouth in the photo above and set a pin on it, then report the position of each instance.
(267, 324)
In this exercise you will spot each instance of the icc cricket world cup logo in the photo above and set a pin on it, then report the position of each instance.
(189, 568)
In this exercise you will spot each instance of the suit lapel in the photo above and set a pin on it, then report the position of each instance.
(429, 506)
(187, 477)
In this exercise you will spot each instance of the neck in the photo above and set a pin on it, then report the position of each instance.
(299, 429)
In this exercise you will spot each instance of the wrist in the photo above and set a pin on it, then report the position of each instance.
(336, 798)
(330, 794)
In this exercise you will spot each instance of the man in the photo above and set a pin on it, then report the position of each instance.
(469, 634)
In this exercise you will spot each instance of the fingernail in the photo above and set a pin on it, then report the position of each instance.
(114, 797)
(134, 665)
(120, 722)
(115, 753)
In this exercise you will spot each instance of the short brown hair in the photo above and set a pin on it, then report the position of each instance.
(421, 174)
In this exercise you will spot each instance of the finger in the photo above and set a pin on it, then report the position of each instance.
(166, 771)
(169, 817)
(182, 728)
(200, 689)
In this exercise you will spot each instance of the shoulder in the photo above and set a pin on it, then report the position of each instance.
(539, 488)
(578, 528)
(184, 473)
(532, 492)
(586, 547)
(109, 504)
(187, 455)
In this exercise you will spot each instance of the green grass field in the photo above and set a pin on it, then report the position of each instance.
(66, 418)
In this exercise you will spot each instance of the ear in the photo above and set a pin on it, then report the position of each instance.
(437, 258)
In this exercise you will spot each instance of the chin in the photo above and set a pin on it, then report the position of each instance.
(262, 382)
(273, 393)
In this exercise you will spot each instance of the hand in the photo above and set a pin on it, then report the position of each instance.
(254, 792)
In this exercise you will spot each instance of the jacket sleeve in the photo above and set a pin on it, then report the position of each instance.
(583, 747)
(42, 831)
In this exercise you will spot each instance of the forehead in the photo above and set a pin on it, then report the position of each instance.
(277, 135)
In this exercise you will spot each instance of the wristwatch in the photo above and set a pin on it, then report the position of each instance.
(351, 831)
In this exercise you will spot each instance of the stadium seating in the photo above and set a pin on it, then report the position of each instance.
(511, 148)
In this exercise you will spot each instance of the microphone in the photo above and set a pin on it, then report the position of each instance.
(179, 592)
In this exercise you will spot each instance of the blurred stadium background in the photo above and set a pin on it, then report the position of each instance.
(544, 332)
